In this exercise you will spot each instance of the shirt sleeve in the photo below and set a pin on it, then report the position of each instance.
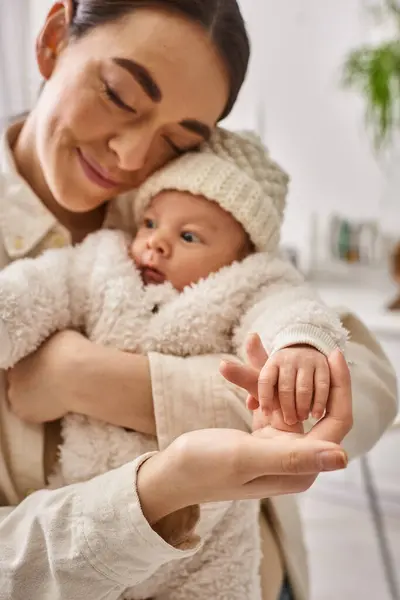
(89, 540)
(290, 312)
(374, 387)
(190, 394)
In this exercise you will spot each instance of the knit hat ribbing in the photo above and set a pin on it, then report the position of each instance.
(234, 170)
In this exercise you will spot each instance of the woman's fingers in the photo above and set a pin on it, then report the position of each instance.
(278, 485)
(288, 454)
(338, 419)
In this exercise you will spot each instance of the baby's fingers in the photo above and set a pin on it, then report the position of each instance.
(286, 389)
(267, 381)
(304, 392)
(322, 383)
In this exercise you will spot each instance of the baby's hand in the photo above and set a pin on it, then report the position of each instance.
(300, 375)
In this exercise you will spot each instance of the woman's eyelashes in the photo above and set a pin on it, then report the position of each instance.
(116, 99)
(176, 149)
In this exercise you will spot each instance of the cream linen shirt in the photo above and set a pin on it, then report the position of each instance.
(91, 540)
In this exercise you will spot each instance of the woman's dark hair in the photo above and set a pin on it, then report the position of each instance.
(221, 19)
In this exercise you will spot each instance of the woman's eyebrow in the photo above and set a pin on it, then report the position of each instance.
(142, 76)
(197, 127)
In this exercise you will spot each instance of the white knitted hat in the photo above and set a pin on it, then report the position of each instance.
(235, 171)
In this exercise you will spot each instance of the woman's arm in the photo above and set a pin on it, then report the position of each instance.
(87, 540)
(100, 537)
(163, 395)
(69, 373)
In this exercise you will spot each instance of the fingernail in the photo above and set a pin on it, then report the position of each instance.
(332, 460)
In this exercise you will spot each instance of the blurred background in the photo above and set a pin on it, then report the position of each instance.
(341, 147)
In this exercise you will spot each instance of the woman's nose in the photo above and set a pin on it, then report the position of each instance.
(132, 148)
(159, 243)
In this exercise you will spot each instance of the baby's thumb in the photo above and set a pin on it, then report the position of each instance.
(256, 353)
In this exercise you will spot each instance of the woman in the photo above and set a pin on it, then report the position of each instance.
(129, 85)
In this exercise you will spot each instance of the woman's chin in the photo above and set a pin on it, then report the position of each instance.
(80, 200)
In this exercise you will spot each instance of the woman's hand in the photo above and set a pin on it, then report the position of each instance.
(69, 373)
(338, 419)
(41, 385)
(222, 464)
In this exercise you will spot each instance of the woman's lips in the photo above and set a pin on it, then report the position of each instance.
(151, 275)
(93, 173)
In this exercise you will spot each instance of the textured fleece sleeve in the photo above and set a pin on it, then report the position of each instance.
(34, 303)
(227, 567)
(289, 312)
(190, 394)
(88, 540)
(39, 296)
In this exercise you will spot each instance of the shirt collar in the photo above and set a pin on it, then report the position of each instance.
(24, 220)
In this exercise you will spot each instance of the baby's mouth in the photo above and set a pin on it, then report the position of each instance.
(151, 275)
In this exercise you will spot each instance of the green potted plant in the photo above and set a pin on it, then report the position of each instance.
(374, 71)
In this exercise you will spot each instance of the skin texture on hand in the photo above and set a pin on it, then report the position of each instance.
(301, 376)
(221, 464)
(71, 374)
(213, 465)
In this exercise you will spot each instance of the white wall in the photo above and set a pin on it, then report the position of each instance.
(313, 127)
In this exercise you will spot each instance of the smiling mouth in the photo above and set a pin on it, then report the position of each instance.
(150, 275)
(94, 174)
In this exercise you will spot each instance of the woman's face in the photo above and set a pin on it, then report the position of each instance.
(122, 101)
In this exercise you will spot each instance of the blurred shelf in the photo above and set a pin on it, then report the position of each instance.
(367, 291)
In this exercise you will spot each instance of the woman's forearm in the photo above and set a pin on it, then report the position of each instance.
(115, 388)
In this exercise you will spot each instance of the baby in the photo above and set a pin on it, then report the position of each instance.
(189, 282)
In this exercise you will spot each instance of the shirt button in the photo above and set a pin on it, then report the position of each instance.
(18, 243)
(57, 241)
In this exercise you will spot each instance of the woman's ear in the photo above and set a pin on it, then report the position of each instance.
(53, 37)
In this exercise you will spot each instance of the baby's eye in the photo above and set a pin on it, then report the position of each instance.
(190, 238)
(149, 224)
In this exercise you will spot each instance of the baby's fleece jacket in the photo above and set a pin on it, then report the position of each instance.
(96, 288)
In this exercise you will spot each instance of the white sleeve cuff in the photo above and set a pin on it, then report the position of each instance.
(120, 542)
(305, 334)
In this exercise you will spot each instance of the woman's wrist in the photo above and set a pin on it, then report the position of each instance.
(156, 484)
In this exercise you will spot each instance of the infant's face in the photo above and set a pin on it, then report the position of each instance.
(184, 238)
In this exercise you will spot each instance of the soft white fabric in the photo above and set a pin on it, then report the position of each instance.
(96, 531)
(97, 288)
(188, 393)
